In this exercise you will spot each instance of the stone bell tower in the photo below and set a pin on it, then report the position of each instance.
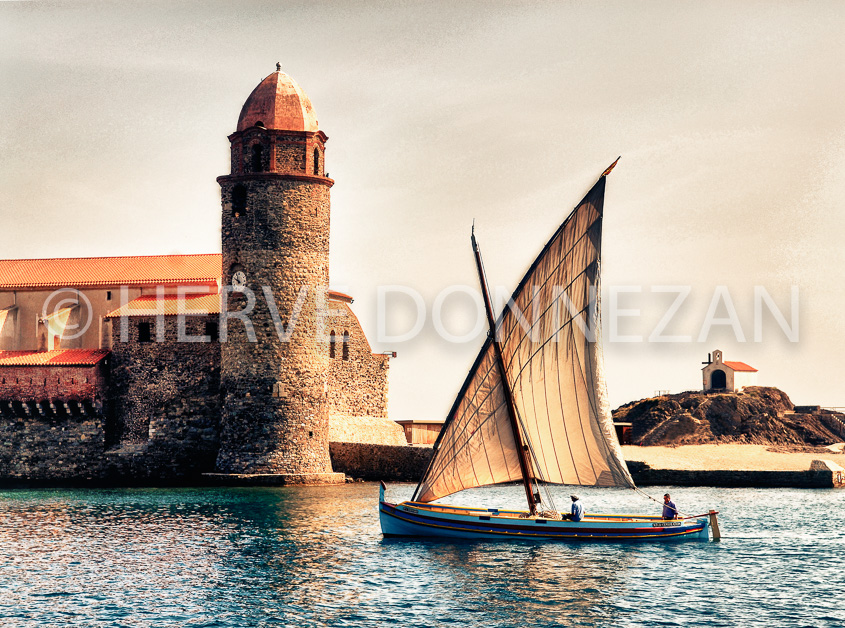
(275, 273)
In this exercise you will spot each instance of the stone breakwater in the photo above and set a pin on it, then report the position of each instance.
(821, 475)
(407, 464)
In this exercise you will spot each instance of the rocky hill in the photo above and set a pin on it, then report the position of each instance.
(756, 415)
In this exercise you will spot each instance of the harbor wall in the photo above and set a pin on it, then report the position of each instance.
(408, 463)
(811, 478)
(391, 463)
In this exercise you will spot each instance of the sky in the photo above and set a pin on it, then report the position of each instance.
(114, 119)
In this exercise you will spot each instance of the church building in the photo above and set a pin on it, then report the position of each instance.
(176, 366)
(718, 374)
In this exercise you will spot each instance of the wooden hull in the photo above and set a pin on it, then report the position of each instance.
(438, 520)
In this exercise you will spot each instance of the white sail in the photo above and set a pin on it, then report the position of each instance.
(549, 339)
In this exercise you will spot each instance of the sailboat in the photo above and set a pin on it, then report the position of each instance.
(534, 410)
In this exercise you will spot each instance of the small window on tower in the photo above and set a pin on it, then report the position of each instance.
(212, 331)
(346, 345)
(238, 201)
(257, 162)
(145, 332)
(332, 342)
(316, 161)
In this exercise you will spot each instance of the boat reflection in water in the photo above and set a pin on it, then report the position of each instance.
(521, 578)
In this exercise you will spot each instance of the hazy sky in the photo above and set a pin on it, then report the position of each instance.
(729, 118)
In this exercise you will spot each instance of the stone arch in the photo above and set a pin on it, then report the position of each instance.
(718, 380)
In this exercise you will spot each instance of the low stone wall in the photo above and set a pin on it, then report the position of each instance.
(49, 449)
(72, 451)
(344, 428)
(391, 463)
(408, 463)
(812, 478)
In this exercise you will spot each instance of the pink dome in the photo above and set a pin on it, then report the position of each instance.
(278, 103)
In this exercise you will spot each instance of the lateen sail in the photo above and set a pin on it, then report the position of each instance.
(549, 335)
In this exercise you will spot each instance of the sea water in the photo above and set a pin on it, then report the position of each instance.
(315, 556)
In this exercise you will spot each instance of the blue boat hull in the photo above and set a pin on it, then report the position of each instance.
(417, 519)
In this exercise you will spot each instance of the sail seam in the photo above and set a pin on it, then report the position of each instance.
(454, 450)
(578, 406)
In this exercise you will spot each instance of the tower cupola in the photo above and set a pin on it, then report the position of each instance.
(280, 104)
(278, 132)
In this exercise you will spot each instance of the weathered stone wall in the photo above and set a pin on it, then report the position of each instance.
(275, 413)
(290, 154)
(51, 421)
(381, 462)
(165, 399)
(357, 377)
(159, 424)
(281, 152)
(365, 429)
(52, 449)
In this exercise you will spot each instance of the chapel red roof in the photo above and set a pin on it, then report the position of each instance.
(110, 271)
(56, 357)
(740, 366)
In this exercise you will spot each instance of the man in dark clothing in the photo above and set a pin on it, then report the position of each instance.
(577, 509)
(669, 509)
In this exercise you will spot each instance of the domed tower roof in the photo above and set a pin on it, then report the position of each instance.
(278, 103)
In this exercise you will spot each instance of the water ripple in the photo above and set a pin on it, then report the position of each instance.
(233, 558)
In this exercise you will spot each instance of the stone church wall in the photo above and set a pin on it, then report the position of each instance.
(51, 422)
(357, 384)
(52, 449)
(165, 400)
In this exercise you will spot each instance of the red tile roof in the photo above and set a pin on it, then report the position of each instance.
(57, 357)
(109, 271)
(149, 270)
(169, 305)
(740, 366)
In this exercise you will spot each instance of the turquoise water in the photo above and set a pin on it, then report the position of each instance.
(314, 556)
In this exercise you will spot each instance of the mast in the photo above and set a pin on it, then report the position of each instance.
(497, 347)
